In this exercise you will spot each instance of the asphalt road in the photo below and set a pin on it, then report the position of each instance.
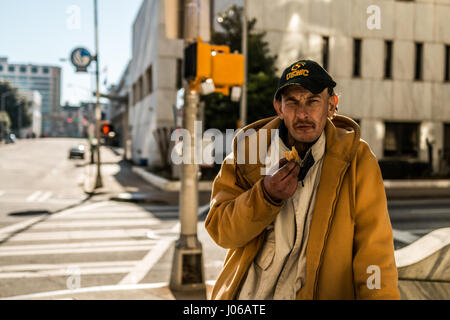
(37, 177)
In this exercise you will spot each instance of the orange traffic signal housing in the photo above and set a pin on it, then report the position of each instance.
(217, 63)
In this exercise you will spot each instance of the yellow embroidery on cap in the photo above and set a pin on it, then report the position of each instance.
(296, 73)
(298, 66)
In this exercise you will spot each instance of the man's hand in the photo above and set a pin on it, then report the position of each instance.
(282, 184)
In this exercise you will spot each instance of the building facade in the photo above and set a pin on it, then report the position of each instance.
(34, 101)
(155, 76)
(390, 59)
(44, 79)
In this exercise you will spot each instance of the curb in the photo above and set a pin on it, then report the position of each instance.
(167, 185)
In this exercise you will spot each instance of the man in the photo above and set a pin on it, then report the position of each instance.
(317, 228)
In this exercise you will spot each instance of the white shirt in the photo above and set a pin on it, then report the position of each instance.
(279, 269)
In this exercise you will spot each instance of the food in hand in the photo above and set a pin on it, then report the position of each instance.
(292, 155)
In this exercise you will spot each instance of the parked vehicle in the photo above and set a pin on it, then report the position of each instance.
(77, 152)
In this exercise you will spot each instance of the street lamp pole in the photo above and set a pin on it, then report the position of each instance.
(243, 109)
(98, 113)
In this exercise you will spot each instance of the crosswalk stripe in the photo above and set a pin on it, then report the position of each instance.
(75, 250)
(95, 215)
(33, 196)
(74, 235)
(65, 266)
(95, 224)
(58, 273)
(77, 245)
(45, 196)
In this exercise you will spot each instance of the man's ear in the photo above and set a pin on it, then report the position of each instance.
(277, 107)
(332, 106)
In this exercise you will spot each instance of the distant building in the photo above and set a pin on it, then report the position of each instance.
(42, 78)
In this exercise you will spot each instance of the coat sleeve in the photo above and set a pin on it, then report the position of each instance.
(237, 215)
(374, 269)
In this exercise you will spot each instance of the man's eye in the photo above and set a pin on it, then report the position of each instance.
(314, 101)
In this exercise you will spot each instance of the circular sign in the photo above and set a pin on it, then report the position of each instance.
(81, 58)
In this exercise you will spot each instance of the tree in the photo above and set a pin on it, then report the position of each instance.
(13, 105)
(220, 111)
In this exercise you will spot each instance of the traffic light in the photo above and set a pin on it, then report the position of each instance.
(107, 130)
(204, 61)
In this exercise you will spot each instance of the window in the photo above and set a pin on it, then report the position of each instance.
(356, 58)
(140, 88)
(447, 143)
(388, 59)
(179, 75)
(45, 70)
(418, 68)
(325, 50)
(11, 69)
(149, 76)
(135, 97)
(34, 69)
(23, 69)
(447, 63)
(401, 139)
(1, 68)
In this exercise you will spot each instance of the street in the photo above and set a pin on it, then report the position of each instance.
(76, 241)
(81, 242)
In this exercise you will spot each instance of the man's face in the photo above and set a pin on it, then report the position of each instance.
(304, 113)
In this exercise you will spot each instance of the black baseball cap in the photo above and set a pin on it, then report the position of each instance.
(306, 73)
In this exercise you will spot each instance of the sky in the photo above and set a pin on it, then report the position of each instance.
(46, 31)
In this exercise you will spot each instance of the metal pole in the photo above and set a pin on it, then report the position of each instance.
(243, 110)
(98, 112)
(187, 268)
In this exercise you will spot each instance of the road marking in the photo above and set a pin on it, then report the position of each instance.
(95, 224)
(58, 273)
(75, 250)
(404, 236)
(78, 245)
(151, 258)
(33, 196)
(7, 231)
(95, 215)
(74, 235)
(45, 196)
(99, 290)
(65, 266)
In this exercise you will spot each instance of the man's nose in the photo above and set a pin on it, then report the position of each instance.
(301, 112)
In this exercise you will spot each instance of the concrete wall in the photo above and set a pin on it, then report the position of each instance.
(295, 29)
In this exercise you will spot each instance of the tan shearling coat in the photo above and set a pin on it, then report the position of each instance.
(350, 228)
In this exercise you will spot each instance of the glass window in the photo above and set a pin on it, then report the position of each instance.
(356, 58)
(149, 76)
(419, 55)
(45, 70)
(1, 68)
(23, 69)
(401, 139)
(325, 51)
(388, 59)
(34, 70)
(11, 69)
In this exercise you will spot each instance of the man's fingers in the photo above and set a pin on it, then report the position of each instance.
(293, 172)
(284, 171)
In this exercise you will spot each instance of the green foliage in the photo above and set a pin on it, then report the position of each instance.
(14, 103)
(220, 111)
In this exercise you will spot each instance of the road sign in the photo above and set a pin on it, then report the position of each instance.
(81, 59)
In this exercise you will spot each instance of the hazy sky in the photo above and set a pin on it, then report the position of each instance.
(44, 31)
